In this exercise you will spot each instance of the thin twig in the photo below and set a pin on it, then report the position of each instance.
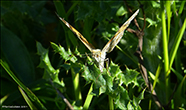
(62, 96)
(139, 33)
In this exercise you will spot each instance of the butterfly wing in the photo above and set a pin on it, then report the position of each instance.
(83, 40)
(119, 34)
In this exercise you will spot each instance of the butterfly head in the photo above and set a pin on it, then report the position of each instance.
(96, 54)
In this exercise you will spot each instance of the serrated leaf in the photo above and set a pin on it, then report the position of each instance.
(122, 98)
(66, 55)
(92, 73)
(114, 69)
(137, 100)
(50, 72)
(130, 77)
(45, 61)
(129, 106)
(109, 82)
(86, 74)
(98, 78)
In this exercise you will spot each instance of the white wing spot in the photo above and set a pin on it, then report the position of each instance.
(68, 25)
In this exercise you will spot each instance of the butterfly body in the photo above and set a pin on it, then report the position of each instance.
(100, 55)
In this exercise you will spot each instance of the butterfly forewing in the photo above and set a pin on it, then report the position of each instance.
(83, 40)
(119, 34)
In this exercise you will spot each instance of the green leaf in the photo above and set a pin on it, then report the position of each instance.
(50, 72)
(45, 62)
(122, 98)
(121, 11)
(155, 4)
(178, 97)
(28, 91)
(151, 22)
(17, 56)
(66, 66)
(88, 98)
(60, 9)
(92, 73)
(28, 101)
(109, 82)
(137, 100)
(129, 106)
(64, 54)
(114, 70)
(130, 77)
(85, 10)
(177, 43)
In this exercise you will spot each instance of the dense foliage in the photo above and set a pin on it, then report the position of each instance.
(44, 61)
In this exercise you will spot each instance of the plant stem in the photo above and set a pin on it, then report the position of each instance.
(165, 54)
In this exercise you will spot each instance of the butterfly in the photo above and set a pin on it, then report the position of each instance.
(97, 54)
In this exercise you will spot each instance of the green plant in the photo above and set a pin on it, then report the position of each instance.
(65, 75)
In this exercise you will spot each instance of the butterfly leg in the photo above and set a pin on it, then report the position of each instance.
(107, 65)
